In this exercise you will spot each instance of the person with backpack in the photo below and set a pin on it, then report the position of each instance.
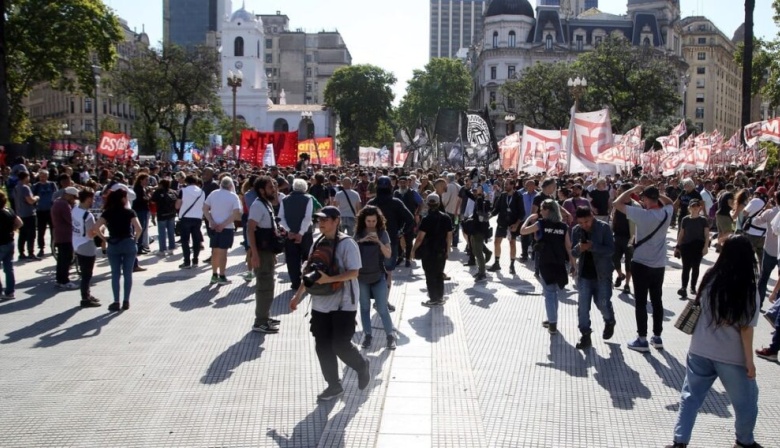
(84, 246)
(412, 200)
(331, 278)
(165, 199)
(753, 231)
(374, 244)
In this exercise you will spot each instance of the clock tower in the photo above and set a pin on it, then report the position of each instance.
(243, 41)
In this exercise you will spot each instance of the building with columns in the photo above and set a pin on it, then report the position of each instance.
(515, 36)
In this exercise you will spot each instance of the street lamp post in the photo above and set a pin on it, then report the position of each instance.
(65, 133)
(234, 81)
(686, 78)
(577, 87)
(96, 73)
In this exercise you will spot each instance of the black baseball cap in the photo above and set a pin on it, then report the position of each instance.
(329, 212)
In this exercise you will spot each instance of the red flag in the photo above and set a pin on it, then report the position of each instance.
(113, 145)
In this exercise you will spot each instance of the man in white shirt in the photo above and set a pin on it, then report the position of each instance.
(221, 209)
(348, 202)
(753, 231)
(190, 207)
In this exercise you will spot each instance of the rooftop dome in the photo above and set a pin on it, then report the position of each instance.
(510, 7)
(243, 15)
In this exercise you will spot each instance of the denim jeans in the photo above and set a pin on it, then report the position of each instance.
(121, 257)
(768, 263)
(190, 228)
(143, 218)
(550, 291)
(7, 258)
(166, 234)
(742, 391)
(594, 290)
(379, 292)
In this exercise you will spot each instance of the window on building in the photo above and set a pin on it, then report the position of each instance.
(269, 58)
(269, 72)
(88, 105)
(238, 46)
(493, 71)
(308, 72)
(510, 103)
(269, 43)
(548, 42)
(702, 56)
(580, 40)
(598, 40)
(700, 83)
(72, 106)
(701, 70)
(492, 97)
(495, 39)
(700, 113)
(699, 97)
(646, 41)
(512, 39)
(510, 71)
(702, 40)
(308, 87)
(88, 125)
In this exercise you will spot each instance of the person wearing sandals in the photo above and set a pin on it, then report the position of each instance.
(374, 244)
(722, 343)
(124, 231)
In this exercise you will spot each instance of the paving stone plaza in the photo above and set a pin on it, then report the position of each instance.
(182, 368)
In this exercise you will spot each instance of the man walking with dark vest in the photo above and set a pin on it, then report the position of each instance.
(295, 213)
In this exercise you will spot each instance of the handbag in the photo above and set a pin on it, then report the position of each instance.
(689, 317)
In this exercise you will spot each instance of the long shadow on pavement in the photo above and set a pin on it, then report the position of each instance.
(199, 299)
(716, 403)
(36, 296)
(87, 329)
(565, 357)
(308, 431)
(40, 327)
(616, 377)
(249, 348)
(423, 325)
(236, 296)
(481, 296)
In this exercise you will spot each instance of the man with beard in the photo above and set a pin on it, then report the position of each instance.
(412, 200)
(510, 210)
(262, 229)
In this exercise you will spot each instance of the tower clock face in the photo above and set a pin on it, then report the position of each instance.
(239, 65)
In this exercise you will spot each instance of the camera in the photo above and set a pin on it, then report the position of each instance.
(313, 273)
(583, 237)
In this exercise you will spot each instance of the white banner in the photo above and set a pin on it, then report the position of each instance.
(592, 136)
(537, 147)
(509, 151)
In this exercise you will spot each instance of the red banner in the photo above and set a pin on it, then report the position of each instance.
(320, 150)
(113, 145)
(253, 144)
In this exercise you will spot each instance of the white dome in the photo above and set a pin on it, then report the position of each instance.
(243, 15)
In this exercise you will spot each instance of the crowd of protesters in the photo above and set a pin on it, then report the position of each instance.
(344, 230)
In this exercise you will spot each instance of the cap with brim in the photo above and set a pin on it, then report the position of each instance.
(433, 198)
(694, 202)
(328, 212)
(73, 191)
(384, 182)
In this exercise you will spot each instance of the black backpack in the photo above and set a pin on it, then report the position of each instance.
(324, 254)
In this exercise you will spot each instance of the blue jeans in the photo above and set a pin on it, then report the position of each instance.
(550, 291)
(768, 263)
(379, 292)
(7, 258)
(594, 290)
(143, 218)
(742, 391)
(166, 232)
(121, 257)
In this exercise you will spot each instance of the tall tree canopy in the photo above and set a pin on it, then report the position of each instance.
(170, 88)
(362, 97)
(50, 41)
(637, 84)
(443, 84)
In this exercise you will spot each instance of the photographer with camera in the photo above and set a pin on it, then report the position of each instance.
(331, 278)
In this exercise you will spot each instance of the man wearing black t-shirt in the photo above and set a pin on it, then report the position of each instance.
(599, 199)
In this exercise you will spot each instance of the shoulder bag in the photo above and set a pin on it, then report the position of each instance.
(652, 234)
(687, 320)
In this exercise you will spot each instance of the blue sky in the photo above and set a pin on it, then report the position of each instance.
(393, 34)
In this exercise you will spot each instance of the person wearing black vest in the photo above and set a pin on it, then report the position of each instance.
(435, 232)
(510, 209)
(479, 230)
(296, 214)
(552, 249)
(262, 228)
(412, 200)
(624, 237)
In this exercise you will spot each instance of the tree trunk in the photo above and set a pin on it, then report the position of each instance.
(747, 66)
(5, 106)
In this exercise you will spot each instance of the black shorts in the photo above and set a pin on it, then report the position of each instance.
(502, 231)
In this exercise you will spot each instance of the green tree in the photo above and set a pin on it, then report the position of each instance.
(765, 79)
(444, 83)
(362, 97)
(170, 87)
(50, 41)
(109, 124)
(638, 84)
(540, 97)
